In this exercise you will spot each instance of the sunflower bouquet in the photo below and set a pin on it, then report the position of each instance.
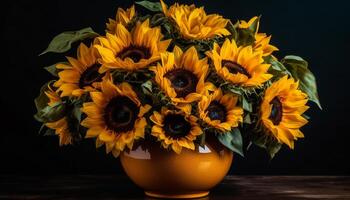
(175, 75)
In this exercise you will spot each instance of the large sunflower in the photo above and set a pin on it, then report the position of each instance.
(194, 23)
(181, 75)
(115, 116)
(282, 109)
(131, 50)
(220, 111)
(60, 126)
(80, 75)
(175, 129)
(122, 16)
(239, 65)
(262, 41)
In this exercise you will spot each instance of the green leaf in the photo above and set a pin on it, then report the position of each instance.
(232, 140)
(298, 68)
(63, 42)
(271, 145)
(152, 6)
(275, 64)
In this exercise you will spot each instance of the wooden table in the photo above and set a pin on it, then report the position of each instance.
(120, 187)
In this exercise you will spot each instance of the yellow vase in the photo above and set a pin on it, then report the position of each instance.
(165, 174)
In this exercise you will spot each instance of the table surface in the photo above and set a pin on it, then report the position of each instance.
(120, 187)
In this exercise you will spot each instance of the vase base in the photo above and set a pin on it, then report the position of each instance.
(188, 195)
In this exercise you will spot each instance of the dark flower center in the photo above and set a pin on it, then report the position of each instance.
(90, 75)
(136, 53)
(235, 68)
(176, 126)
(183, 81)
(121, 114)
(276, 111)
(217, 111)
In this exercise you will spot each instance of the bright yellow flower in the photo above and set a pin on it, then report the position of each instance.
(239, 65)
(262, 41)
(220, 111)
(81, 74)
(181, 75)
(60, 126)
(115, 116)
(175, 129)
(194, 23)
(122, 17)
(282, 109)
(131, 50)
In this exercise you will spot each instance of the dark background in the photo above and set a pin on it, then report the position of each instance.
(317, 30)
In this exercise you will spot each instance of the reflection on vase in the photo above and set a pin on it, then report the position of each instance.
(163, 173)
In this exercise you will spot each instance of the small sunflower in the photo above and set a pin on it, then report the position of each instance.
(181, 75)
(80, 75)
(194, 23)
(175, 129)
(262, 41)
(60, 126)
(123, 17)
(115, 116)
(282, 109)
(220, 111)
(239, 65)
(131, 50)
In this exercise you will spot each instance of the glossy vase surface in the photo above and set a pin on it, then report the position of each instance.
(165, 174)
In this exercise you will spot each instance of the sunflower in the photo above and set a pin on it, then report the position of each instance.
(181, 75)
(80, 75)
(239, 65)
(60, 126)
(194, 23)
(282, 109)
(175, 129)
(262, 41)
(131, 50)
(220, 111)
(123, 17)
(115, 116)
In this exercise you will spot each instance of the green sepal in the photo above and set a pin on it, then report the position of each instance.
(52, 69)
(63, 42)
(247, 119)
(246, 105)
(49, 132)
(147, 88)
(255, 25)
(232, 140)
(201, 140)
(298, 68)
(42, 100)
(243, 37)
(51, 113)
(152, 6)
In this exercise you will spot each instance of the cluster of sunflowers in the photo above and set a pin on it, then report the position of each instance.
(174, 75)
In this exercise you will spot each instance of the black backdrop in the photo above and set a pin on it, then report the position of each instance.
(317, 30)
